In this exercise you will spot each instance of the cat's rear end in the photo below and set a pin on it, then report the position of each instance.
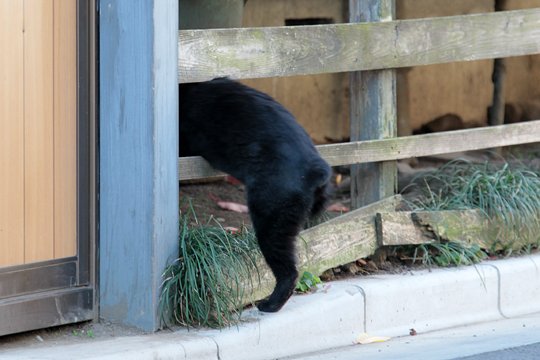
(249, 135)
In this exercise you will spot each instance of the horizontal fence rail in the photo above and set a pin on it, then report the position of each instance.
(299, 50)
(399, 148)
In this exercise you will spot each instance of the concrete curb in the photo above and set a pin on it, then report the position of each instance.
(383, 305)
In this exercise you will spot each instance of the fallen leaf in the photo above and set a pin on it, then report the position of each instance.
(214, 198)
(337, 207)
(231, 229)
(232, 206)
(365, 338)
(232, 180)
(228, 205)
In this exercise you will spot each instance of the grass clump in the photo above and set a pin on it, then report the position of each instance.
(204, 286)
(508, 195)
(445, 254)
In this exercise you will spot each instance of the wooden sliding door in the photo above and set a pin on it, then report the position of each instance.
(38, 130)
(45, 163)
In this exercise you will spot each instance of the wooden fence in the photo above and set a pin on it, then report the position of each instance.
(369, 47)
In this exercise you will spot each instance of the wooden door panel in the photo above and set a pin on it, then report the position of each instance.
(38, 130)
(65, 128)
(11, 134)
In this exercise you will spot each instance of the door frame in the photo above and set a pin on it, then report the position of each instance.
(62, 291)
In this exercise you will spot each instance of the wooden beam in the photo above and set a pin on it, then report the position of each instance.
(419, 227)
(195, 167)
(286, 51)
(398, 228)
(339, 241)
(464, 226)
(400, 148)
(431, 144)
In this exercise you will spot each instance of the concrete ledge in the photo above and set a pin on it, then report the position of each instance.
(427, 301)
(387, 305)
(519, 285)
(312, 322)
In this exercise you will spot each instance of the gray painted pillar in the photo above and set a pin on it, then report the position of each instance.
(138, 219)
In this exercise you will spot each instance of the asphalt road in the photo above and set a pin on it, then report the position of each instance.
(509, 339)
(526, 352)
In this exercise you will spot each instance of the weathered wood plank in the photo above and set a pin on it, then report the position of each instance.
(398, 228)
(431, 144)
(373, 112)
(286, 51)
(336, 242)
(195, 167)
(401, 148)
(343, 239)
(464, 226)
(419, 227)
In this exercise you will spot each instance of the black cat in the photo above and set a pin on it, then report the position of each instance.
(249, 135)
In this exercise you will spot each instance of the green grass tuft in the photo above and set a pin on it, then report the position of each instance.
(204, 286)
(446, 254)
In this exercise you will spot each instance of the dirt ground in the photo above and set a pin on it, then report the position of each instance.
(66, 334)
(203, 198)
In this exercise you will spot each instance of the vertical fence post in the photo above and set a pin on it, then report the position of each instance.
(373, 112)
(138, 156)
(496, 110)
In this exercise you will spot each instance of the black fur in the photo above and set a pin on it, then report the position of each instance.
(249, 135)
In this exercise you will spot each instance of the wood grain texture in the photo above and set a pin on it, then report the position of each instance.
(398, 228)
(39, 134)
(195, 167)
(285, 51)
(342, 240)
(373, 112)
(419, 227)
(339, 241)
(65, 128)
(11, 134)
(138, 131)
(431, 144)
(464, 226)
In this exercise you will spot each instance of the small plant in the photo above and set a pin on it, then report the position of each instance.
(307, 282)
(204, 286)
(80, 333)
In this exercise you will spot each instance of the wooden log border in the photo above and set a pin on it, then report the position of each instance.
(399, 148)
(419, 227)
(333, 243)
(300, 50)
